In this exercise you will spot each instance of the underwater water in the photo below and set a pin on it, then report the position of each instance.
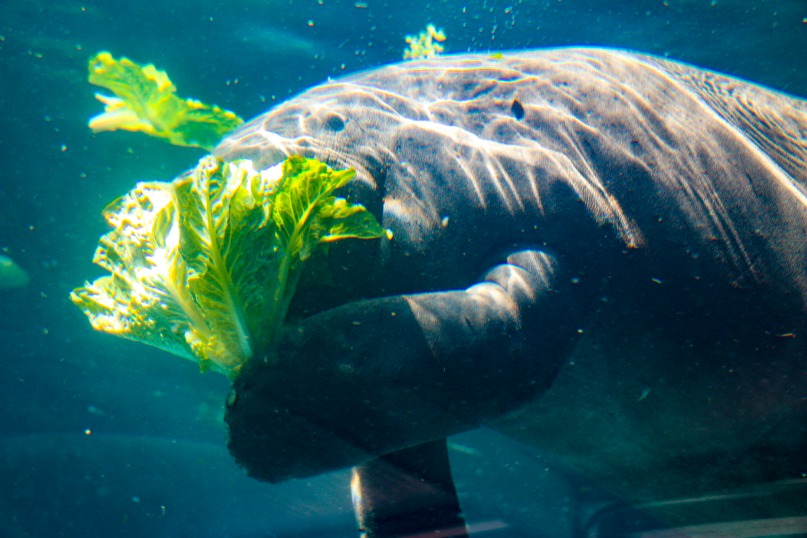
(104, 437)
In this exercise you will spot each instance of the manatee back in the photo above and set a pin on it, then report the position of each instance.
(775, 122)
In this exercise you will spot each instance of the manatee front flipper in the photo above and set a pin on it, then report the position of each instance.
(373, 377)
(408, 493)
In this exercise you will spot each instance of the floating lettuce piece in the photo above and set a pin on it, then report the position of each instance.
(205, 267)
(425, 45)
(145, 101)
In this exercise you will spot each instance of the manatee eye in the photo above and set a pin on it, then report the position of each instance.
(334, 123)
(517, 110)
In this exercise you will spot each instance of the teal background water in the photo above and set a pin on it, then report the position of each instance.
(103, 437)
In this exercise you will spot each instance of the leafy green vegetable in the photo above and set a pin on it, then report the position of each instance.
(146, 102)
(205, 267)
(425, 45)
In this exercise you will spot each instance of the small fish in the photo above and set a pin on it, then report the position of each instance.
(11, 274)
(463, 449)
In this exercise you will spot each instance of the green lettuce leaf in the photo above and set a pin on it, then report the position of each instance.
(145, 101)
(205, 267)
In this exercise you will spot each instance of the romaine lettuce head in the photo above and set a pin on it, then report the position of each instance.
(205, 267)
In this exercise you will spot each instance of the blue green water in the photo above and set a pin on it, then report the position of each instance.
(104, 437)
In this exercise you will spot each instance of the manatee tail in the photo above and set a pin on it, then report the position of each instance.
(409, 492)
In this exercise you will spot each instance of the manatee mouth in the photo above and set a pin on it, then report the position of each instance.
(263, 147)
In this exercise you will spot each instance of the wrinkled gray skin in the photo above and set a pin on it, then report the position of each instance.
(597, 252)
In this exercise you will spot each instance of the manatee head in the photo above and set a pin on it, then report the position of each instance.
(332, 123)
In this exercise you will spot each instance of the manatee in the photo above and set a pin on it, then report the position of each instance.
(597, 252)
